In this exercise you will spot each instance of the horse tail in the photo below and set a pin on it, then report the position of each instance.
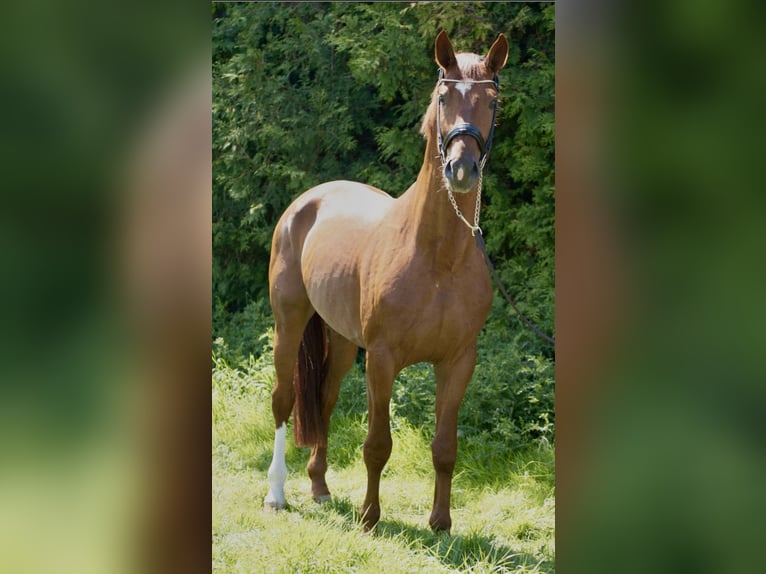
(308, 379)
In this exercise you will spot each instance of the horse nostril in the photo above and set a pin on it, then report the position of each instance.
(448, 169)
(475, 169)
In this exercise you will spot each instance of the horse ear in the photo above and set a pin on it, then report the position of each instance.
(444, 53)
(498, 54)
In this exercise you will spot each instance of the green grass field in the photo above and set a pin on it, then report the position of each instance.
(502, 502)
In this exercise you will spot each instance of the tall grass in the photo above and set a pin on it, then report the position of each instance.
(502, 507)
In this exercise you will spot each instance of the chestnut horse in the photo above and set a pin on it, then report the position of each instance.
(402, 278)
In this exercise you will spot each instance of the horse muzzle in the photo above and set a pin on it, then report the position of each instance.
(462, 173)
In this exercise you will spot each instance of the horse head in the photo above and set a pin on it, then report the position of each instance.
(466, 104)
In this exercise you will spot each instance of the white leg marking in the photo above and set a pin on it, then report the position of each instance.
(277, 471)
(463, 87)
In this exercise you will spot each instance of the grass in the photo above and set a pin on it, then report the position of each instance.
(502, 502)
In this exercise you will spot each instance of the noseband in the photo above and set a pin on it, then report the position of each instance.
(465, 129)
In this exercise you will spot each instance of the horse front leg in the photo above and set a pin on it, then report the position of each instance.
(452, 378)
(377, 446)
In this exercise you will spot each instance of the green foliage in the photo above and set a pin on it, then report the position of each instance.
(307, 93)
(510, 401)
(242, 336)
(508, 404)
(282, 122)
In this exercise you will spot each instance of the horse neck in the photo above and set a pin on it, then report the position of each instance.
(437, 228)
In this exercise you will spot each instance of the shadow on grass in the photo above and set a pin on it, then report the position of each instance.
(458, 551)
(461, 552)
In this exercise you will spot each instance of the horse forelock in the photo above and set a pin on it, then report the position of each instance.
(469, 67)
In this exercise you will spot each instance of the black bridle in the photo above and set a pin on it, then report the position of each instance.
(465, 128)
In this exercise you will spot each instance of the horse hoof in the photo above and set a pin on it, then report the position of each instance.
(440, 526)
(273, 505)
(370, 518)
(323, 499)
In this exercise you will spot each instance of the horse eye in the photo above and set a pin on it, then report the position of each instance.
(441, 99)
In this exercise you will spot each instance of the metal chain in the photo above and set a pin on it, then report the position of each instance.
(477, 210)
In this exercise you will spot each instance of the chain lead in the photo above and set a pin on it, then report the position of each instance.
(477, 210)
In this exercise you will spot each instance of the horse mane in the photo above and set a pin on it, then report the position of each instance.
(471, 67)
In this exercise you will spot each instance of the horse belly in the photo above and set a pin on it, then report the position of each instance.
(337, 302)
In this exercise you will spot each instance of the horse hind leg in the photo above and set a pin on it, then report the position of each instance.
(292, 311)
(290, 322)
(341, 354)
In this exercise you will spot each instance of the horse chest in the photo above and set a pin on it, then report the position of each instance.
(430, 319)
(449, 309)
